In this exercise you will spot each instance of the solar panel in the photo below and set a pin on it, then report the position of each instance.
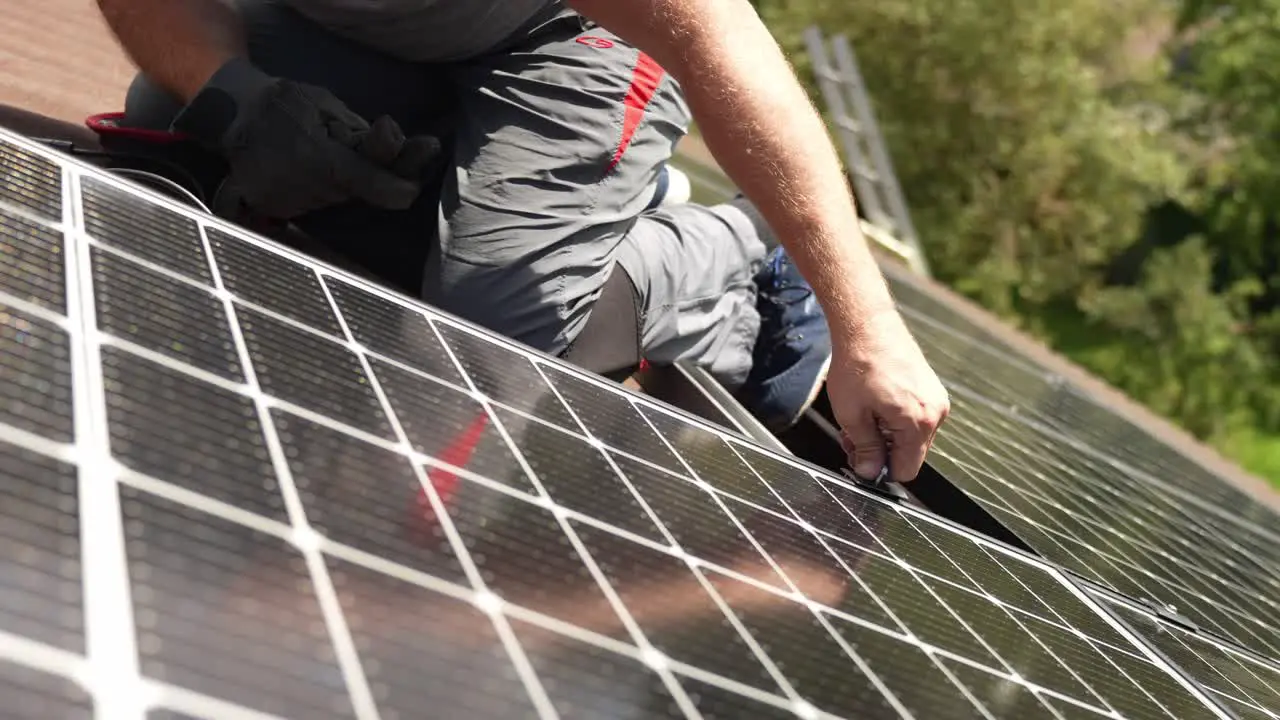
(1093, 493)
(242, 483)
(984, 367)
(1248, 685)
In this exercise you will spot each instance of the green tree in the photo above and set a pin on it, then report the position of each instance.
(1186, 356)
(1022, 131)
(1059, 176)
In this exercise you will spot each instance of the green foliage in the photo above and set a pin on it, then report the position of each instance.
(1062, 176)
(1186, 356)
(1020, 139)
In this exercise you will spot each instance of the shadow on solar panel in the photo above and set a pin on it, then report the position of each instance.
(242, 483)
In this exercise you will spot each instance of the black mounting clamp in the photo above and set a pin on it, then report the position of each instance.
(880, 485)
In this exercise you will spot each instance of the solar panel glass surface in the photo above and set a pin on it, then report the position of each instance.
(1095, 494)
(240, 481)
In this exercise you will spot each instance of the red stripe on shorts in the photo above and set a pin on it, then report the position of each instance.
(646, 76)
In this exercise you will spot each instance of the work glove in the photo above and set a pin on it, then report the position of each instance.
(293, 148)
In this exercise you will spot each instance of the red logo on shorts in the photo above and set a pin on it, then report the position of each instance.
(598, 43)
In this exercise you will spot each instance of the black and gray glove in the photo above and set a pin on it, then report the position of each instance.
(293, 148)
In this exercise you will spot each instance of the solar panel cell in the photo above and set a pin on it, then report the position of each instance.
(40, 551)
(426, 652)
(1001, 695)
(609, 415)
(507, 377)
(1245, 711)
(524, 555)
(449, 427)
(393, 331)
(143, 229)
(716, 703)
(910, 673)
(587, 681)
(312, 372)
(31, 182)
(30, 694)
(31, 262)
(35, 362)
(579, 477)
(198, 436)
(270, 281)
(711, 460)
(803, 651)
(364, 496)
(228, 611)
(183, 321)
(1070, 711)
(673, 609)
(919, 612)
(695, 522)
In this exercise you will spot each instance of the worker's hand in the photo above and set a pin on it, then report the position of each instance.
(293, 148)
(886, 398)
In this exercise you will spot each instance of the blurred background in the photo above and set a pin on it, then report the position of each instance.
(1104, 174)
(1099, 173)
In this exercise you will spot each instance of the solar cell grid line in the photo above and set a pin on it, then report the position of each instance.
(1219, 582)
(790, 686)
(175, 529)
(1221, 496)
(331, 612)
(969, 432)
(787, 686)
(110, 637)
(1094, 628)
(1211, 566)
(1002, 380)
(1208, 560)
(1080, 422)
(438, 505)
(1114, 570)
(907, 294)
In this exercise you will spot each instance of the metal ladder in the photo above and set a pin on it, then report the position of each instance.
(875, 182)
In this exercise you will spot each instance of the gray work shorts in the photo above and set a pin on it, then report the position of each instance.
(557, 142)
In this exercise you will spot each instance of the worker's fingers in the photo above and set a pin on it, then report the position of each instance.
(417, 155)
(911, 435)
(908, 446)
(382, 144)
(865, 446)
(375, 185)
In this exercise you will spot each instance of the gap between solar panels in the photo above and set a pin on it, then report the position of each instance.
(241, 483)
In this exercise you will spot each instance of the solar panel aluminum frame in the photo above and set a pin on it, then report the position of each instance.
(692, 389)
(111, 668)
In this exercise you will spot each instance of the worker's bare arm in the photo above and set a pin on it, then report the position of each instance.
(761, 127)
(179, 44)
